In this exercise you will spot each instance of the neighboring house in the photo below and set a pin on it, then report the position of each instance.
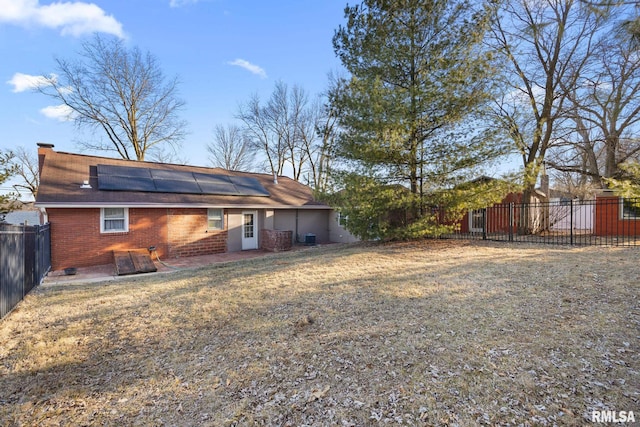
(497, 220)
(558, 212)
(615, 216)
(28, 217)
(24, 215)
(98, 205)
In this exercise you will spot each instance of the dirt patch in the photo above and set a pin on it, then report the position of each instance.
(436, 333)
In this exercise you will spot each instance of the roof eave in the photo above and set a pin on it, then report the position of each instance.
(81, 205)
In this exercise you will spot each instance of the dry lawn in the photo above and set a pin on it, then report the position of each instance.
(438, 333)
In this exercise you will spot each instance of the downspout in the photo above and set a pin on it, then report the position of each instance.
(297, 239)
(43, 213)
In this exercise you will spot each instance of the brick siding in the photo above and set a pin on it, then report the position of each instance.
(188, 234)
(76, 240)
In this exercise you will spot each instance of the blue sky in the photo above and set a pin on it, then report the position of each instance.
(223, 51)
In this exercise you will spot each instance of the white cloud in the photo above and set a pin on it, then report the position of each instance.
(259, 71)
(180, 3)
(58, 112)
(72, 18)
(23, 82)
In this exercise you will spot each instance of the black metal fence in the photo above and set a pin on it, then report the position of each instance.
(607, 221)
(25, 258)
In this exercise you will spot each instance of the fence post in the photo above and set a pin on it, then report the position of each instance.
(37, 261)
(24, 258)
(511, 222)
(484, 224)
(571, 222)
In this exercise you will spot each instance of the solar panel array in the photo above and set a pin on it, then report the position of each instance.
(127, 178)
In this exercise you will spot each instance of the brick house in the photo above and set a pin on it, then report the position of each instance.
(606, 215)
(99, 205)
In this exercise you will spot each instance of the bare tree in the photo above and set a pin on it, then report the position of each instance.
(286, 111)
(544, 45)
(293, 132)
(123, 94)
(631, 25)
(258, 127)
(282, 130)
(605, 114)
(576, 184)
(166, 154)
(230, 149)
(318, 132)
(26, 170)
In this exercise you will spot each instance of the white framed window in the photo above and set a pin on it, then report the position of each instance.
(476, 220)
(629, 208)
(114, 220)
(215, 219)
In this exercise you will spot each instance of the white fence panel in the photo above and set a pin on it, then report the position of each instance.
(561, 218)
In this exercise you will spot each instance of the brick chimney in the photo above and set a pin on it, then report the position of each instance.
(43, 148)
(544, 183)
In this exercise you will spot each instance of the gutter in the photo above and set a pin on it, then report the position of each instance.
(163, 206)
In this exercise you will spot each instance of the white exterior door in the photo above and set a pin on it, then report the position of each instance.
(249, 230)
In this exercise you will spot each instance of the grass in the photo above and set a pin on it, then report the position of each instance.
(434, 333)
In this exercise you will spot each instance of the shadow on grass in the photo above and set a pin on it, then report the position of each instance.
(428, 334)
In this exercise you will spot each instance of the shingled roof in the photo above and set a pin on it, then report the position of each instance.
(63, 176)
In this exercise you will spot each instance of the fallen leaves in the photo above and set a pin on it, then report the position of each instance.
(400, 334)
(317, 394)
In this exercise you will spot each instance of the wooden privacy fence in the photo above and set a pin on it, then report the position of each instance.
(609, 221)
(25, 258)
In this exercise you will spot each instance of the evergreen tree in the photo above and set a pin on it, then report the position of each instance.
(628, 185)
(409, 113)
(7, 170)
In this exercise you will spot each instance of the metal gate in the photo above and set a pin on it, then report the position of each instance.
(25, 258)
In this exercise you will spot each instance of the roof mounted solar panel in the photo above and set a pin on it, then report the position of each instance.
(176, 186)
(172, 175)
(248, 186)
(125, 171)
(124, 183)
(130, 178)
(221, 189)
(215, 184)
(215, 179)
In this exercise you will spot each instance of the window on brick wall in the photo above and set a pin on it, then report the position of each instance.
(114, 220)
(630, 208)
(215, 219)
